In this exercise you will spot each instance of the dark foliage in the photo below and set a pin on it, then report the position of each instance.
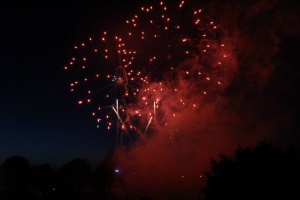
(262, 172)
(44, 178)
(75, 175)
(16, 179)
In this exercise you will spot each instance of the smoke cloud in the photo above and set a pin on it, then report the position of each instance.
(203, 119)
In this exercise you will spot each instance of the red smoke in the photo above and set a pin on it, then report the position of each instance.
(171, 164)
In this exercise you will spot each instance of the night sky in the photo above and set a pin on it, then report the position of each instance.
(258, 99)
(40, 118)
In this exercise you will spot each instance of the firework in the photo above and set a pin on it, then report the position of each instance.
(164, 54)
(167, 36)
(178, 47)
(104, 77)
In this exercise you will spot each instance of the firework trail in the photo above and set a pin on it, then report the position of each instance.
(104, 78)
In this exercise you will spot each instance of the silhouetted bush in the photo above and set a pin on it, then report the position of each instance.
(262, 172)
(44, 178)
(75, 175)
(16, 179)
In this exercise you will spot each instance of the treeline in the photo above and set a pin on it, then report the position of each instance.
(264, 171)
(73, 180)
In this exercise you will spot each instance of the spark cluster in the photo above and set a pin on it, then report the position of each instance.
(162, 55)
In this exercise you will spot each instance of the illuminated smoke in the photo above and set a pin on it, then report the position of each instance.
(193, 126)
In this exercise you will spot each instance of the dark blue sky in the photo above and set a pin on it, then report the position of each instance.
(39, 117)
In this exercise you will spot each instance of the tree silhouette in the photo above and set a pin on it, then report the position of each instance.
(104, 176)
(16, 179)
(75, 175)
(44, 178)
(262, 172)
